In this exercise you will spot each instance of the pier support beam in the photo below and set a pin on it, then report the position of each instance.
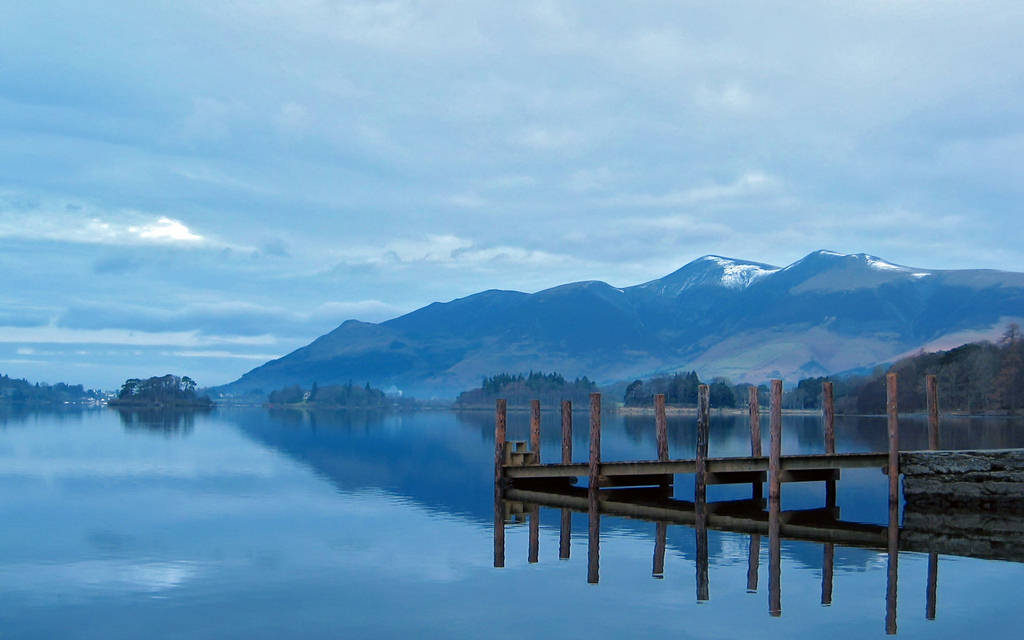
(775, 445)
(932, 392)
(661, 426)
(754, 408)
(535, 429)
(499, 459)
(593, 497)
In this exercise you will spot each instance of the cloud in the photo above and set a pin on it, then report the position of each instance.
(750, 184)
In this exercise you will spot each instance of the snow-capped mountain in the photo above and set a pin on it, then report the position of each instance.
(826, 312)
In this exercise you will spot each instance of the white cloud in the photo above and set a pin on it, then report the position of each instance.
(52, 334)
(749, 184)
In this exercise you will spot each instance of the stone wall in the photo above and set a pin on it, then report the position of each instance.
(964, 480)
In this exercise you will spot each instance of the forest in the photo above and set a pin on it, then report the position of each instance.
(520, 389)
(331, 396)
(160, 391)
(22, 392)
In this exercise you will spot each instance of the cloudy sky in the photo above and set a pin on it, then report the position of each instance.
(196, 187)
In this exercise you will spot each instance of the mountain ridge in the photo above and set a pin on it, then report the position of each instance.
(824, 313)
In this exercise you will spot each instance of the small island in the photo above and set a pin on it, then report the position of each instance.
(160, 392)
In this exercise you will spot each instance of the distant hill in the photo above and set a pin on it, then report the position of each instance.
(825, 313)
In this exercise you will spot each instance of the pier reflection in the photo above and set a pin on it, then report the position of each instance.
(757, 518)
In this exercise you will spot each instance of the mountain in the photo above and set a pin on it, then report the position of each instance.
(826, 313)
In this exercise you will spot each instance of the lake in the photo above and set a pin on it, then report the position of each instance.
(252, 523)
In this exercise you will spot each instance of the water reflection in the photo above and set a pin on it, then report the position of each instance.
(169, 422)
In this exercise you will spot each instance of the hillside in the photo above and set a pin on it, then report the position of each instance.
(823, 314)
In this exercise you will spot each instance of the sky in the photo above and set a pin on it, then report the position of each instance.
(197, 187)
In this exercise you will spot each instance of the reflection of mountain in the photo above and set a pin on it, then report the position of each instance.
(442, 461)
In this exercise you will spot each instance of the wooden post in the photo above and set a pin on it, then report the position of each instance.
(753, 562)
(565, 535)
(499, 528)
(661, 426)
(775, 448)
(701, 529)
(660, 539)
(892, 568)
(499, 441)
(933, 582)
(754, 407)
(593, 502)
(892, 409)
(774, 559)
(535, 429)
(534, 552)
(499, 459)
(566, 432)
(594, 535)
(932, 389)
(595, 439)
(826, 574)
(703, 422)
(828, 405)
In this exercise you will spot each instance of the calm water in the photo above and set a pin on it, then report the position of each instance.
(247, 523)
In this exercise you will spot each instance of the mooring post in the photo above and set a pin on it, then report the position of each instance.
(660, 539)
(753, 562)
(500, 416)
(893, 469)
(754, 407)
(829, 411)
(595, 440)
(499, 459)
(703, 427)
(661, 426)
(932, 391)
(534, 552)
(892, 409)
(566, 432)
(774, 559)
(535, 429)
(702, 553)
(775, 445)
(593, 501)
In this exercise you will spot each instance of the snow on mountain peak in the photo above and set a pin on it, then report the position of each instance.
(737, 275)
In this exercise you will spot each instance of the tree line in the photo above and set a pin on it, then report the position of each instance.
(519, 389)
(681, 389)
(21, 391)
(330, 396)
(160, 391)
(981, 377)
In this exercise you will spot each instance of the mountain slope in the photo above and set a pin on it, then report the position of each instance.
(824, 313)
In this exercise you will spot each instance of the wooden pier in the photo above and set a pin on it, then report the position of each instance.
(643, 489)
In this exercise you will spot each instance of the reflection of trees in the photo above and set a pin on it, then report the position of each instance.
(167, 421)
(346, 419)
(14, 414)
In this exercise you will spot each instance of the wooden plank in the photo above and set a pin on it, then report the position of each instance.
(593, 532)
(775, 448)
(661, 426)
(809, 475)
(633, 480)
(736, 477)
(892, 566)
(535, 429)
(850, 534)
(714, 465)
(566, 432)
(932, 392)
(829, 415)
